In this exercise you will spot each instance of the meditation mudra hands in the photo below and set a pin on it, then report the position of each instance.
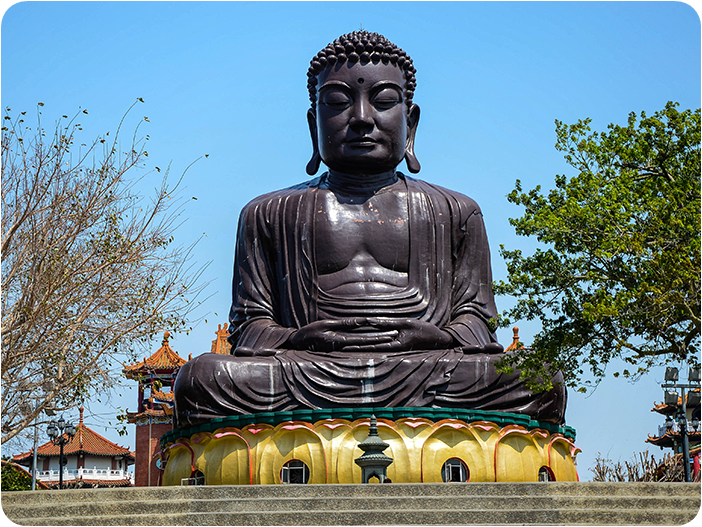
(370, 334)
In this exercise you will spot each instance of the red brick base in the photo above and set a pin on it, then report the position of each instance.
(145, 448)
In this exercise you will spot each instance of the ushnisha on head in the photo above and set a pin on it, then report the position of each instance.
(362, 119)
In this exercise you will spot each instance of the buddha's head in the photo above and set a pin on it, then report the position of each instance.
(362, 119)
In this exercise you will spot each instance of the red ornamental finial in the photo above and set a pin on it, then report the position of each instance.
(166, 336)
(81, 414)
(515, 341)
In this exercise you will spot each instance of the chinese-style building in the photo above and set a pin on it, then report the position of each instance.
(90, 461)
(672, 438)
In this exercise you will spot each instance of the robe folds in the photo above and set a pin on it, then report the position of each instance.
(276, 292)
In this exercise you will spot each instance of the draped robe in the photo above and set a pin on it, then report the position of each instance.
(276, 292)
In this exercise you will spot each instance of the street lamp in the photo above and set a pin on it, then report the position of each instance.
(669, 422)
(56, 435)
(670, 397)
(671, 374)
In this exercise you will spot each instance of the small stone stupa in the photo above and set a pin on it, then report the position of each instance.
(373, 462)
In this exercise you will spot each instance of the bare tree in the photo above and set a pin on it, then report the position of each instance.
(645, 468)
(89, 269)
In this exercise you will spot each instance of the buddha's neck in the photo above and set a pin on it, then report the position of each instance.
(366, 184)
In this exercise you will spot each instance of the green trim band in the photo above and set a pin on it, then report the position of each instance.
(351, 414)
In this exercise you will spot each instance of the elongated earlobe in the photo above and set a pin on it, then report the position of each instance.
(313, 165)
(412, 121)
(412, 163)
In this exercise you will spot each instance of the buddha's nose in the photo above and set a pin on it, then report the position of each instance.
(362, 117)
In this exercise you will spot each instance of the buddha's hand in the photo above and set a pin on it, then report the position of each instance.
(335, 335)
(245, 351)
(411, 334)
(489, 349)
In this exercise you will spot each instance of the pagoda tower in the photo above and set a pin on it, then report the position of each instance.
(672, 437)
(154, 415)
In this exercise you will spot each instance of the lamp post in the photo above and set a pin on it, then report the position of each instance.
(28, 388)
(56, 435)
(692, 399)
(34, 456)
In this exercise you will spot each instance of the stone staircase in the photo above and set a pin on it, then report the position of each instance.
(387, 504)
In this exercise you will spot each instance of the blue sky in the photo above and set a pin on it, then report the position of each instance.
(229, 80)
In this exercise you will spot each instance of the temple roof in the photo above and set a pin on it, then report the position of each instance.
(669, 409)
(220, 345)
(85, 441)
(515, 341)
(160, 405)
(164, 359)
(670, 438)
(159, 396)
(163, 411)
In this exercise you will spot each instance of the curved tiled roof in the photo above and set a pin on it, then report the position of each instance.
(667, 409)
(84, 442)
(670, 438)
(159, 404)
(220, 345)
(159, 396)
(163, 359)
(146, 412)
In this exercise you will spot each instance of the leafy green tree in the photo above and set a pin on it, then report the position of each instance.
(89, 267)
(13, 478)
(617, 273)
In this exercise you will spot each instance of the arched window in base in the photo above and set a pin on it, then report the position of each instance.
(546, 474)
(196, 478)
(295, 472)
(455, 470)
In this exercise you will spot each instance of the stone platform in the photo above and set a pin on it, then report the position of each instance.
(254, 449)
(374, 504)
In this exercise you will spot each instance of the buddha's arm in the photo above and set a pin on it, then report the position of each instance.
(473, 300)
(254, 314)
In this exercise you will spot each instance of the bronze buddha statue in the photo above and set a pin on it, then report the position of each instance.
(361, 287)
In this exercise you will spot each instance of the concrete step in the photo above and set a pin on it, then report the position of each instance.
(380, 517)
(372, 490)
(239, 505)
(400, 504)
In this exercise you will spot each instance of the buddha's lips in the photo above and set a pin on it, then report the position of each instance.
(362, 141)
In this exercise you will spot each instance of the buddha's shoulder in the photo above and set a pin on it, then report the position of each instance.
(434, 191)
(276, 196)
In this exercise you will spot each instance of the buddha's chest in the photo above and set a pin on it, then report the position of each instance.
(374, 230)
